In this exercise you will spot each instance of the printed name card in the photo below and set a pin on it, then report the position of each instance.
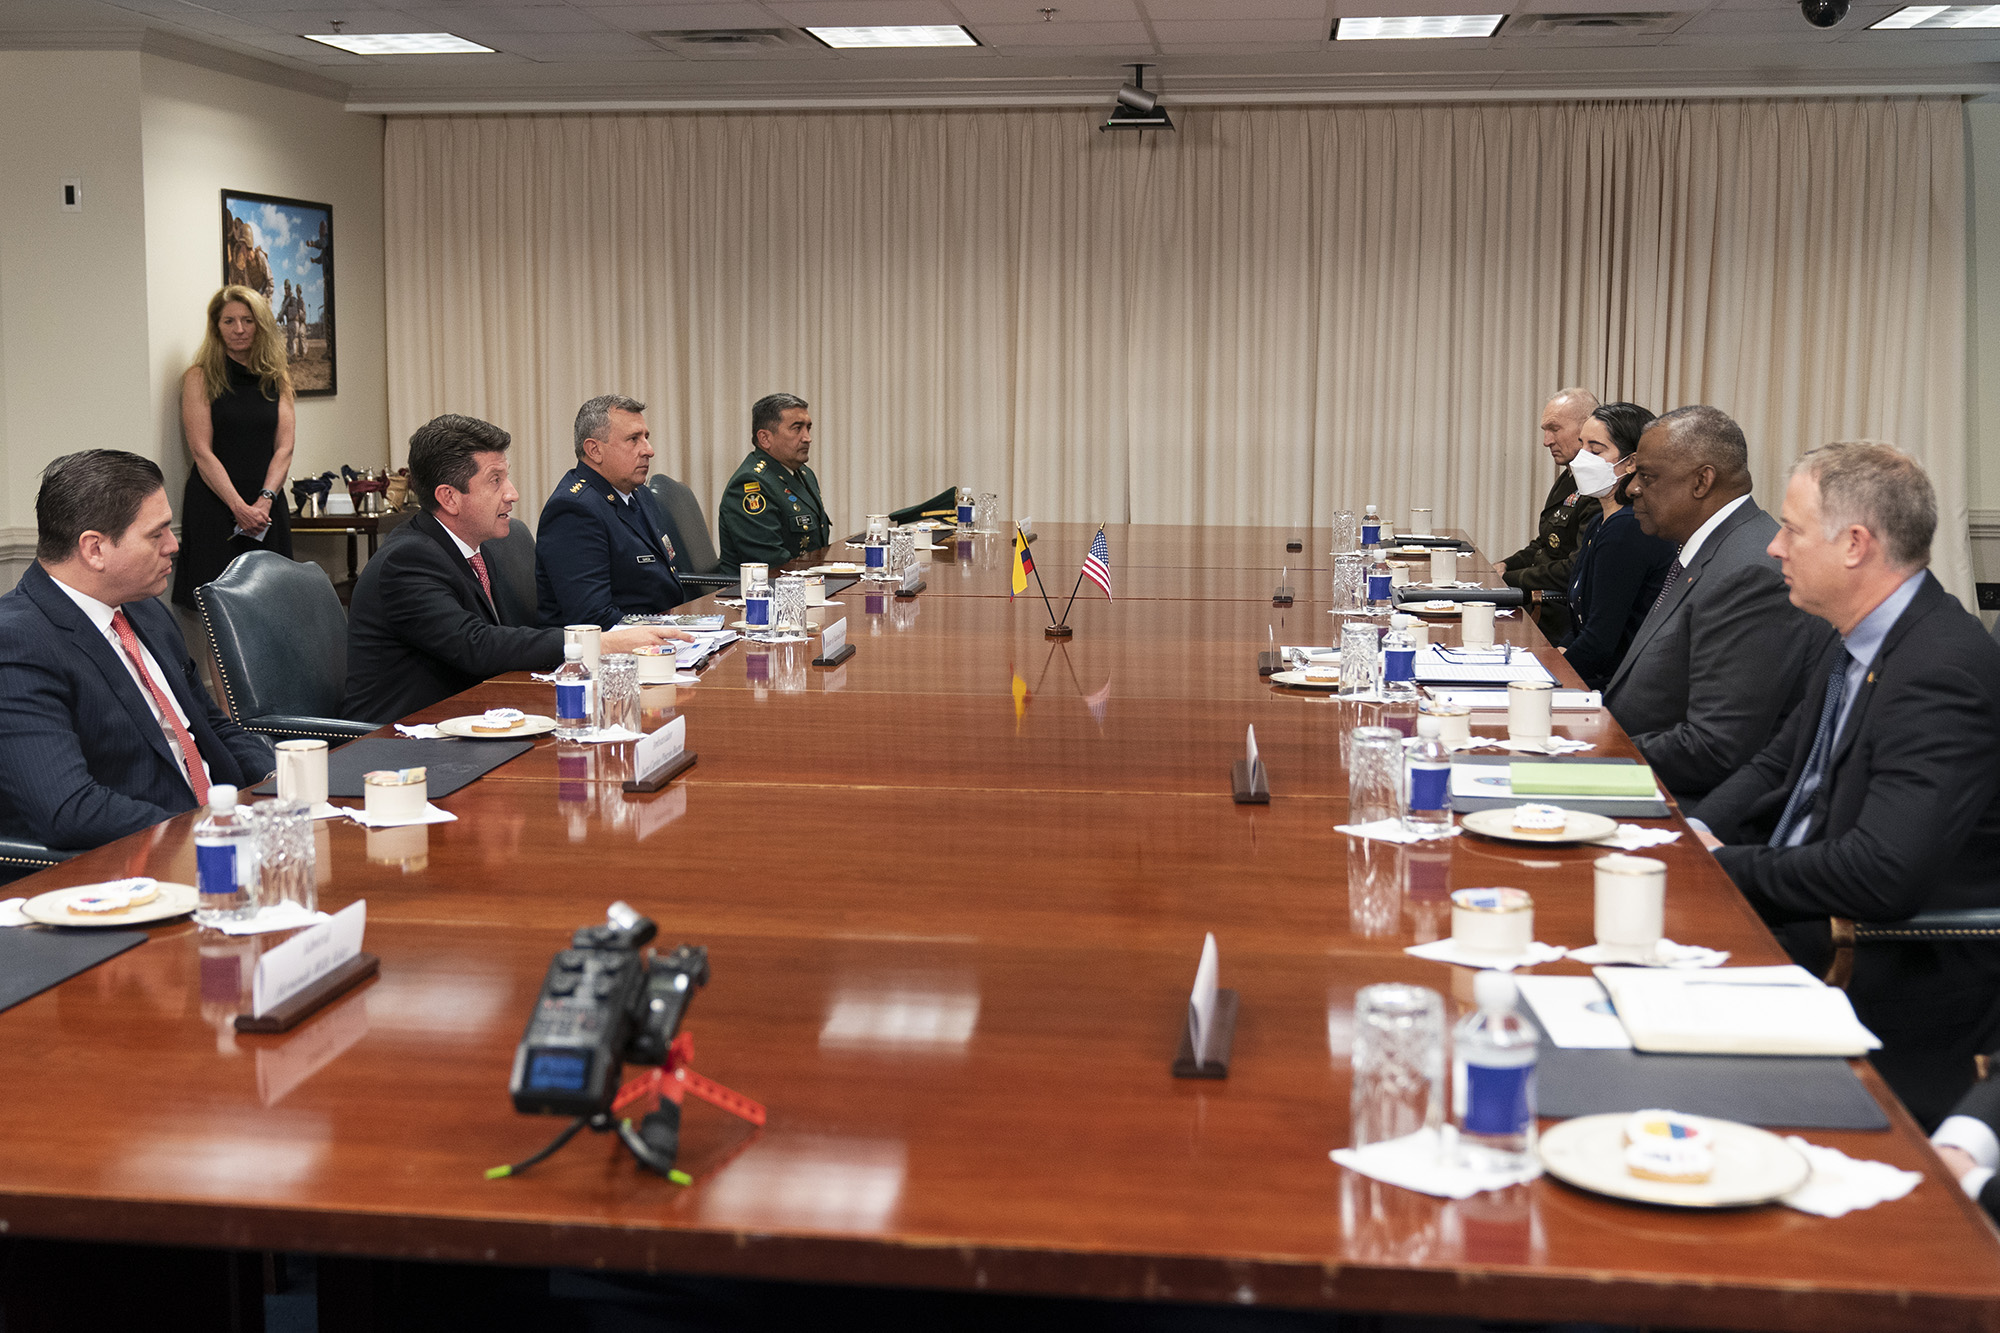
(1201, 1002)
(1250, 752)
(912, 577)
(306, 957)
(832, 639)
(661, 748)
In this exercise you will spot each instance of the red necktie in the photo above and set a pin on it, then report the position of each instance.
(479, 568)
(190, 757)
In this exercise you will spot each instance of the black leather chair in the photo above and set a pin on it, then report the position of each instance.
(19, 857)
(510, 563)
(279, 637)
(696, 564)
(1942, 926)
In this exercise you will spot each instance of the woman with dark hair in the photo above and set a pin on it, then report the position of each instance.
(236, 411)
(1619, 569)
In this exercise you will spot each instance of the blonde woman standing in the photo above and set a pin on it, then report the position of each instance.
(237, 414)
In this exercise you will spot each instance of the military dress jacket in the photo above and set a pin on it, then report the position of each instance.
(1545, 564)
(600, 558)
(770, 514)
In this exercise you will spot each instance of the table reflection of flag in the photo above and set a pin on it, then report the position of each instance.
(1098, 701)
(1020, 690)
(1097, 565)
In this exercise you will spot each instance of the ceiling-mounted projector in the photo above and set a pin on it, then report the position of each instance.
(1137, 109)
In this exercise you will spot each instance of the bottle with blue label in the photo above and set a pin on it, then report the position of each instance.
(573, 696)
(965, 504)
(1399, 667)
(1381, 584)
(225, 860)
(1371, 527)
(1427, 811)
(757, 596)
(1493, 1078)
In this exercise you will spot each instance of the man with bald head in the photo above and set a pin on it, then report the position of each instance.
(1543, 565)
(1720, 660)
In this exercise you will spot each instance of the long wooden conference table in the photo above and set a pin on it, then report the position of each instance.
(953, 894)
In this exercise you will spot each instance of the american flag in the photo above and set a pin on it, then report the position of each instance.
(1097, 565)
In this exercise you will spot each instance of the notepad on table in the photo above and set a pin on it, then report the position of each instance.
(1735, 1011)
(1581, 780)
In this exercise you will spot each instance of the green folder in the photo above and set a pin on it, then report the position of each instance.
(1581, 779)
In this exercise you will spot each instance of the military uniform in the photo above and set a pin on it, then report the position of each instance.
(1545, 564)
(600, 557)
(770, 515)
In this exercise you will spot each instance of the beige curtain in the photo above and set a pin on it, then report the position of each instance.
(1272, 314)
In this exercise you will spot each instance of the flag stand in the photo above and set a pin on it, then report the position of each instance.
(1058, 632)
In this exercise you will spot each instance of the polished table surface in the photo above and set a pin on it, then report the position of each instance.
(952, 921)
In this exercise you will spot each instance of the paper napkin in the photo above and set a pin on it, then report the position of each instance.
(1391, 830)
(1668, 954)
(431, 815)
(1633, 838)
(276, 916)
(1450, 951)
(1840, 1184)
(1427, 1162)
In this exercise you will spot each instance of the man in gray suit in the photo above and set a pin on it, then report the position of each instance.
(1720, 660)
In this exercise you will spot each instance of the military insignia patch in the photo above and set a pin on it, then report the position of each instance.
(753, 503)
(1555, 539)
(574, 489)
(753, 485)
(759, 467)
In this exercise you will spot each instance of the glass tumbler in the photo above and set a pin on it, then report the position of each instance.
(618, 692)
(1398, 1062)
(285, 872)
(1344, 533)
(988, 513)
(1375, 775)
(1360, 657)
(902, 551)
(1348, 580)
(788, 604)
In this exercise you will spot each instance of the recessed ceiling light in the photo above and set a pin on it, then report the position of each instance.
(854, 39)
(1415, 26)
(1942, 16)
(399, 43)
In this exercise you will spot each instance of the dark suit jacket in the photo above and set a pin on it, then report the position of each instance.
(598, 560)
(1714, 671)
(1543, 565)
(1907, 818)
(1983, 1103)
(420, 628)
(1617, 577)
(83, 761)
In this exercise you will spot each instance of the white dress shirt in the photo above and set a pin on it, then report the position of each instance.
(1692, 546)
(100, 616)
(1976, 1140)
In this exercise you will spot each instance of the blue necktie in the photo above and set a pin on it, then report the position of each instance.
(1810, 777)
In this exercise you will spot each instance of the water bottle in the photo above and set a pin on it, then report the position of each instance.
(1371, 527)
(1381, 585)
(572, 696)
(1399, 668)
(1428, 810)
(875, 554)
(1493, 1078)
(225, 858)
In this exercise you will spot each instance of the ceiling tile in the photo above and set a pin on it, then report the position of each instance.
(682, 18)
(1383, 9)
(1207, 11)
(507, 18)
(1244, 32)
(575, 45)
(861, 13)
(322, 20)
(1075, 36)
(1029, 11)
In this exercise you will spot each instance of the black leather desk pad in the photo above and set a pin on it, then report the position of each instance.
(1465, 805)
(451, 763)
(1774, 1091)
(32, 959)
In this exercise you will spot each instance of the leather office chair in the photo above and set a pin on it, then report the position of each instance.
(19, 857)
(510, 563)
(698, 563)
(279, 637)
(1944, 925)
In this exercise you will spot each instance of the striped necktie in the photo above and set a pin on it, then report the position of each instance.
(190, 756)
(478, 563)
(1674, 573)
(1799, 806)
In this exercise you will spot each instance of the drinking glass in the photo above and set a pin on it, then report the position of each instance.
(988, 513)
(902, 551)
(1348, 580)
(284, 840)
(1374, 888)
(1375, 775)
(1345, 534)
(1360, 657)
(618, 692)
(1398, 1062)
(788, 604)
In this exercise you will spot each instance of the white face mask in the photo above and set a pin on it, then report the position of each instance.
(1594, 477)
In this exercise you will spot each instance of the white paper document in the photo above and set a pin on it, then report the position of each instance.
(1575, 1012)
(1496, 700)
(1735, 1011)
(1448, 665)
(1494, 782)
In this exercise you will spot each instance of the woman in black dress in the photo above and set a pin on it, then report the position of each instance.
(236, 410)
(1619, 569)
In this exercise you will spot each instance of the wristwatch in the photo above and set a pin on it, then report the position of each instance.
(267, 494)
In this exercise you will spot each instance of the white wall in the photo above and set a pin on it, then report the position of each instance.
(202, 132)
(73, 327)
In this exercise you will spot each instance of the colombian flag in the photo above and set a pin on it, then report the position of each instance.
(1024, 564)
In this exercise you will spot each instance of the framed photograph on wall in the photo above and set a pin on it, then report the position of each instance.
(284, 249)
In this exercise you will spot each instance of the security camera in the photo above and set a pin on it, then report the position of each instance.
(1823, 13)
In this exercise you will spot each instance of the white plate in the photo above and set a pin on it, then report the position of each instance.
(52, 908)
(748, 628)
(1752, 1165)
(839, 567)
(1435, 608)
(1297, 680)
(534, 724)
(1500, 824)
